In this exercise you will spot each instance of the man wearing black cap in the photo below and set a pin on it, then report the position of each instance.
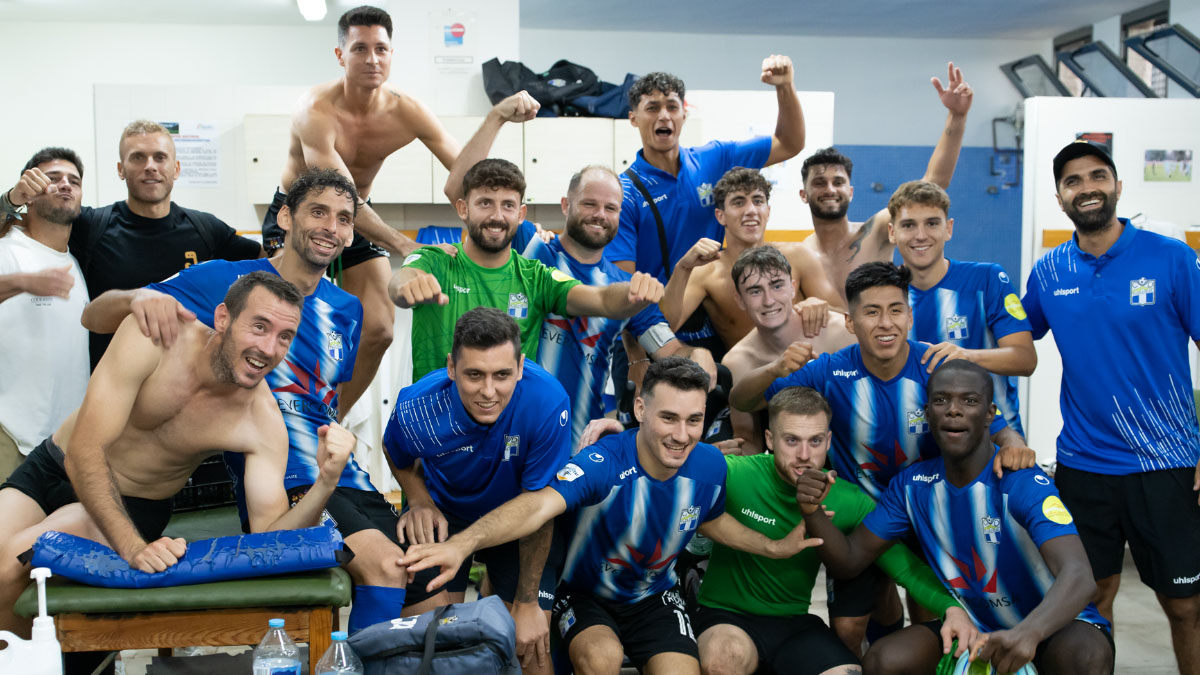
(1123, 303)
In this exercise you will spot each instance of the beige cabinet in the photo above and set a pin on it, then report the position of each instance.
(555, 148)
(266, 143)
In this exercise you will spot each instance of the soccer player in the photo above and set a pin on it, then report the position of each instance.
(966, 310)
(576, 350)
(764, 290)
(701, 277)
(1005, 546)
(318, 220)
(486, 272)
(42, 295)
(753, 610)
(468, 438)
(842, 245)
(146, 237)
(668, 190)
(1122, 303)
(637, 497)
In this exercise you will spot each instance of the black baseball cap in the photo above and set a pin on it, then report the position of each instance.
(1081, 148)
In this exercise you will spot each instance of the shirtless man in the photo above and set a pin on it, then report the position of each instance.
(842, 245)
(702, 276)
(150, 415)
(763, 293)
(353, 124)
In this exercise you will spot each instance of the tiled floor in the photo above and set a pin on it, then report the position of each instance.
(1143, 637)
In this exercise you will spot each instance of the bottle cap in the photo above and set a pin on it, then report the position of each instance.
(275, 623)
(339, 635)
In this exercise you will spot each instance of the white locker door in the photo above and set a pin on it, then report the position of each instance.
(266, 142)
(556, 148)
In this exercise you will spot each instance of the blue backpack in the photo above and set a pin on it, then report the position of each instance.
(471, 637)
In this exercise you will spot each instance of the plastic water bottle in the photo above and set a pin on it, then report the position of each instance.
(339, 659)
(276, 654)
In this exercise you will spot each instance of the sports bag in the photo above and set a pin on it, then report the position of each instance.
(478, 638)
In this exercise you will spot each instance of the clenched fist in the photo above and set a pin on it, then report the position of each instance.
(777, 70)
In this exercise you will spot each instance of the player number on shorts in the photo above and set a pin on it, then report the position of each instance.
(685, 626)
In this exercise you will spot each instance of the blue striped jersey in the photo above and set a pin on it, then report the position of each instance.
(973, 306)
(305, 384)
(576, 349)
(471, 468)
(983, 539)
(627, 528)
(878, 427)
(1122, 323)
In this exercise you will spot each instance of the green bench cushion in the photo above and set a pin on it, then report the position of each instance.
(329, 587)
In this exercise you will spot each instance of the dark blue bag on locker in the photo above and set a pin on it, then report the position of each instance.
(471, 637)
(613, 101)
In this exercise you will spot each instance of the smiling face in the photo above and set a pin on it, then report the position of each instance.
(880, 319)
(959, 412)
(767, 297)
(827, 191)
(594, 211)
(321, 226)
(254, 341)
(148, 166)
(800, 443)
(745, 215)
(492, 216)
(672, 421)
(659, 118)
(1088, 193)
(920, 233)
(486, 379)
(62, 206)
(366, 56)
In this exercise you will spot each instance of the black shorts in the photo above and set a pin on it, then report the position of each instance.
(503, 564)
(351, 510)
(1155, 511)
(649, 627)
(857, 596)
(43, 478)
(360, 249)
(785, 644)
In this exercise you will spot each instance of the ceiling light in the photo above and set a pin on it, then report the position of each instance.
(312, 10)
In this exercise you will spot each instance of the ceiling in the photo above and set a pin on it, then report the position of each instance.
(1026, 19)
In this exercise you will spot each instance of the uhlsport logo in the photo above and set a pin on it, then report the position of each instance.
(333, 345)
(518, 305)
(758, 516)
(1141, 292)
(1067, 291)
(512, 447)
(991, 529)
(916, 422)
(689, 518)
(956, 328)
(705, 192)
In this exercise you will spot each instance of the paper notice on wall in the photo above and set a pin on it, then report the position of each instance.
(452, 41)
(198, 148)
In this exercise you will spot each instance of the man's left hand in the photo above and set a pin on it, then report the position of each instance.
(957, 625)
(333, 450)
(814, 315)
(1013, 458)
(1007, 650)
(793, 543)
(533, 634)
(940, 353)
(957, 94)
(777, 70)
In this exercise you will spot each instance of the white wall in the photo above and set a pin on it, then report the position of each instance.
(882, 85)
(52, 67)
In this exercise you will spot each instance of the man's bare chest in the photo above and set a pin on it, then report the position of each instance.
(364, 143)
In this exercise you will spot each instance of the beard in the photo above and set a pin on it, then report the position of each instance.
(1090, 222)
(475, 232)
(61, 215)
(310, 257)
(222, 360)
(577, 230)
(837, 213)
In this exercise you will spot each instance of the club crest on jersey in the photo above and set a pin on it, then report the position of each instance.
(1141, 292)
(333, 345)
(916, 422)
(991, 529)
(518, 305)
(689, 518)
(956, 328)
(512, 447)
(705, 192)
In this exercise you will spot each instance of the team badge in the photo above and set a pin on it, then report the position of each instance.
(405, 623)
(569, 472)
(689, 518)
(566, 621)
(916, 422)
(956, 328)
(1012, 305)
(991, 529)
(1141, 292)
(1056, 511)
(333, 345)
(518, 305)
(512, 447)
(560, 276)
(705, 192)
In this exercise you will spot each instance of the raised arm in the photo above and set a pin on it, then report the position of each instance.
(518, 517)
(266, 499)
(1013, 354)
(682, 295)
(520, 107)
(615, 301)
(410, 286)
(101, 420)
(788, 139)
